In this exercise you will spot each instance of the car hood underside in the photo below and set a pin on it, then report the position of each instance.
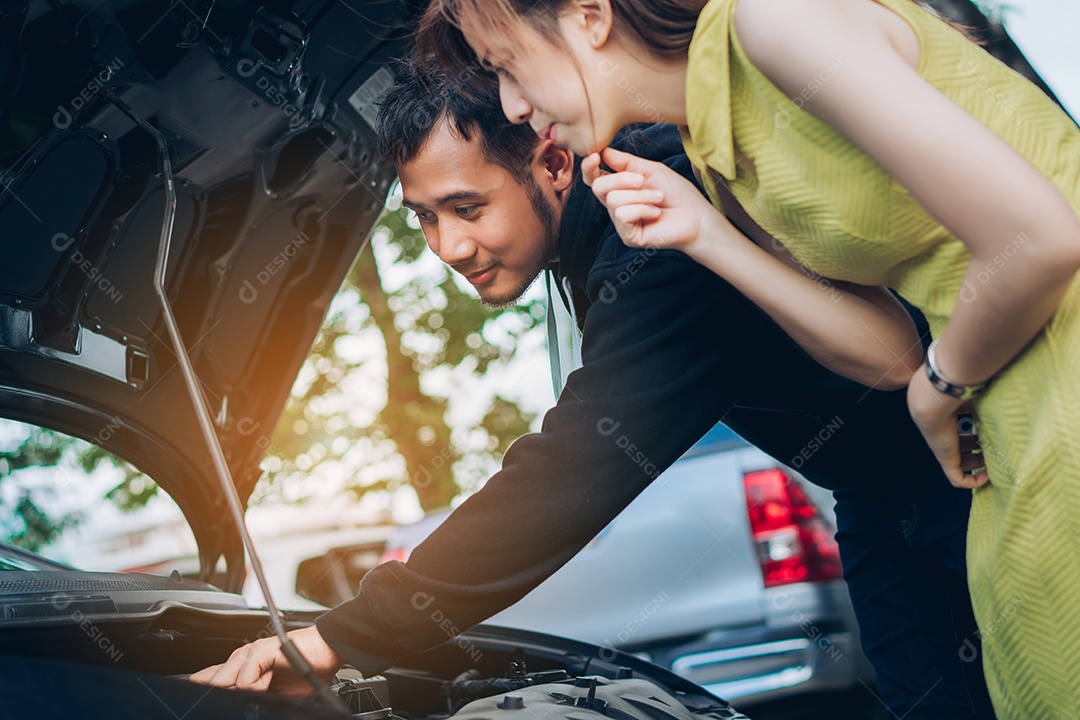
(265, 111)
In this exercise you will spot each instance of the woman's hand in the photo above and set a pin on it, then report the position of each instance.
(262, 666)
(937, 415)
(650, 204)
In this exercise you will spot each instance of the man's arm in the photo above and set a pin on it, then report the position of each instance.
(667, 350)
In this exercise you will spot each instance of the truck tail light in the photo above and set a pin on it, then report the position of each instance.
(396, 554)
(794, 542)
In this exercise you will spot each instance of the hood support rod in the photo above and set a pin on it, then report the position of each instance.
(198, 400)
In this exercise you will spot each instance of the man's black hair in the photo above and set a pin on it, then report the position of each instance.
(422, 96)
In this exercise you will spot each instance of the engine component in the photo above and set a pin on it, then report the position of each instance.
(590, 698)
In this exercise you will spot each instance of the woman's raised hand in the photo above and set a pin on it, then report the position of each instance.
(650, 204)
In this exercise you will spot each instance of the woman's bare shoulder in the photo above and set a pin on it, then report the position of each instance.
(772, 32)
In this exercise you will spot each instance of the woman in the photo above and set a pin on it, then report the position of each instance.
(875, 145)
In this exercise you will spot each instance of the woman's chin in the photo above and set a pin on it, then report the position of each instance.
(600, 140)
(581, 141)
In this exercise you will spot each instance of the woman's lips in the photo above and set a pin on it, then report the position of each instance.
(549, 133)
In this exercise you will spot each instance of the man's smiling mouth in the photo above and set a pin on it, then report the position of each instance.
(481, 276)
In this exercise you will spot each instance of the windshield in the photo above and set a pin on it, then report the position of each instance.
(13, 558)
(65, 503)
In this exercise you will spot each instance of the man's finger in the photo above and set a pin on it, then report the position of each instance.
(225, 675)
(258, 661)
(263, 683)
(205, 676)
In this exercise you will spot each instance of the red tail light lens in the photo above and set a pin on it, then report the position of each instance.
(396, 554)
(794, 542)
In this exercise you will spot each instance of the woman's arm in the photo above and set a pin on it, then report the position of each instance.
(985, 192)
(860, 332)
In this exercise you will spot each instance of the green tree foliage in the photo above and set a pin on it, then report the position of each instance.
(25, 520)
(427, 324)
(26, 524)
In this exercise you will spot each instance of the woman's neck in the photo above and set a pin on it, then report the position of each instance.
(654, 88)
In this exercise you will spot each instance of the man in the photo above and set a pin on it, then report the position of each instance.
(668, 350)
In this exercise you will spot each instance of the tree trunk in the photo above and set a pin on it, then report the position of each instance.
(408, 410)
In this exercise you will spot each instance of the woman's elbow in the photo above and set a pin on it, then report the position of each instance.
(891, 372)
(897, 378)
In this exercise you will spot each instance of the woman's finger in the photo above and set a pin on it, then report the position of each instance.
(590, 168)
(616, 181)
(964, 470)
(635, 214)
(620, 161)
(945, 444)
(617, 198)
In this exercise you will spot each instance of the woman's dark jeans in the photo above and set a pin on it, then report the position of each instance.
(903, 555)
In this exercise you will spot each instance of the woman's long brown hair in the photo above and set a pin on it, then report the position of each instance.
(663, 27)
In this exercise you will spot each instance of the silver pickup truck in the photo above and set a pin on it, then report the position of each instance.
(724, 570)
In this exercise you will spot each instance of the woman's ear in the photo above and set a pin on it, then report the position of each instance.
(558, 165)
(595, 19)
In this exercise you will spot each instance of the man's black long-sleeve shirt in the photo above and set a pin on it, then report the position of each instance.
(668, 349)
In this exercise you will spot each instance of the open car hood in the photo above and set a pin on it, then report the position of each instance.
(267, 111)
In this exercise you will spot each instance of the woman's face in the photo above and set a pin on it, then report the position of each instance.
(550, 87)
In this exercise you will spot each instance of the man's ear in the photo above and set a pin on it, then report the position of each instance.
(558, 164)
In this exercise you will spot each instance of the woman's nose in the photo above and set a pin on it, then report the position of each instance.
(516, 108)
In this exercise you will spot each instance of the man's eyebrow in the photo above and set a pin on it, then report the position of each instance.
(446, 199)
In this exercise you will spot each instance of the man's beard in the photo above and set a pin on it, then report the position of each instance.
(545, 212)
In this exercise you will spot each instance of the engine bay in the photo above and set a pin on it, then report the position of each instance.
(486, 673)
(551, 694)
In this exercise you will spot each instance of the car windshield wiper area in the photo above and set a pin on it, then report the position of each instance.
(33, 595)
(16, 558)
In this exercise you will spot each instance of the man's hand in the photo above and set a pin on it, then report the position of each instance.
(262, 666)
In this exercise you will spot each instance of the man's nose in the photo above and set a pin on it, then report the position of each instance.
(454, 244)
(516, 108)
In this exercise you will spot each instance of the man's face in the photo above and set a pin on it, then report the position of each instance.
(497, 232)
